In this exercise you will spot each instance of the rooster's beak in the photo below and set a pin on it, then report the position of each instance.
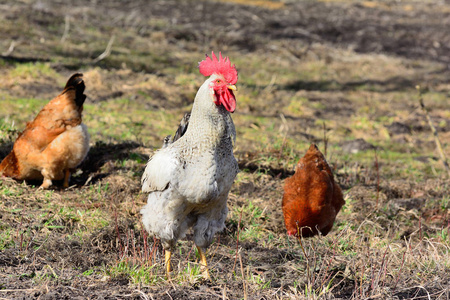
(232, 87)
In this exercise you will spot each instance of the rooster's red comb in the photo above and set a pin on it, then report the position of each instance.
(221, 66)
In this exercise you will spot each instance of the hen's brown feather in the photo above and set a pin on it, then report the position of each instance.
(54, 141)
(311, 198)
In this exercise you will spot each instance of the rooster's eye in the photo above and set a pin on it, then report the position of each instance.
(218, 81)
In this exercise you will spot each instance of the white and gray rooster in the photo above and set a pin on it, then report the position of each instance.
(189, 179)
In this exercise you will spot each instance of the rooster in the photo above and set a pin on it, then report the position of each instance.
(189, 180)
(54, 143)
(311, 198)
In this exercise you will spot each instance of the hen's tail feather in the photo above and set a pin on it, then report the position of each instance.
(9, 166)
(76, 82)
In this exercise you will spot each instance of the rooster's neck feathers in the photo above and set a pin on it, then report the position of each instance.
(209, 121)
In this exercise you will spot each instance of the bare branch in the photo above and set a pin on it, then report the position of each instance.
(434, 131)
(66, 29)
(107, 50)
(10, 49)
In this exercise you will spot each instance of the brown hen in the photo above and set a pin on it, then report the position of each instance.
(311, 198)
(54, 143)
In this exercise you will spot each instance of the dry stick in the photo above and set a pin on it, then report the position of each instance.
(10, 49)
(315, 263)
(282, 147)
(328, 266)
(127, 247)
(146, 252)
(420, 228)
(135, 257)
(189, 254)
(66, 29)
(224, 292)
(372, 281)
(448, 228)
(107, 50)
(378, 176)
(434, 131)
(400, 271)
(385, 271)
(325, 139)
(383, 263)
(307, 260)
(243, 278)
(140, 253)
(152, 253)
(118, 235)
(237, 239)
(361, 281)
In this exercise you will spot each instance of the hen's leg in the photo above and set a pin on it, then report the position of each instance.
(46, 184)
(203, 263)
(168, 268)
(66, 178)
(47, 180)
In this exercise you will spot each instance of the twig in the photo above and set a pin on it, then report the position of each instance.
(224, 292)
(17, 290)
(325, 139)
(143, 295)
(66, 29)
(169, 295)
(107, 50)
(10, 49)
(400, 271)
(428, 294)
(285, 123)
(146, 252)
(383, 265)
(237, 239)
(307, 261)
(268, 88)
(434, 131)
(53, 271)
(118, 242)
(378, 176)
(189, 253)
(361, 291)
(243, 278)
(420, 228)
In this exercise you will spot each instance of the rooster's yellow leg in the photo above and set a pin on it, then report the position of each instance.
(66, 179)
(168, 268)
(203, 263)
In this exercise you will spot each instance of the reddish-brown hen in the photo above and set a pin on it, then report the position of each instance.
(311, 198)
(54, 143)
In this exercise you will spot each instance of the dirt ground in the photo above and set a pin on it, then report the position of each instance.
(351, 65)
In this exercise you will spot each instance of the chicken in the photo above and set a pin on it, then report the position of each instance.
(189, 180)
(311, 198)
(54, 143)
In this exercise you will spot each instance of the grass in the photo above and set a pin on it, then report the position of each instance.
(31, 71)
